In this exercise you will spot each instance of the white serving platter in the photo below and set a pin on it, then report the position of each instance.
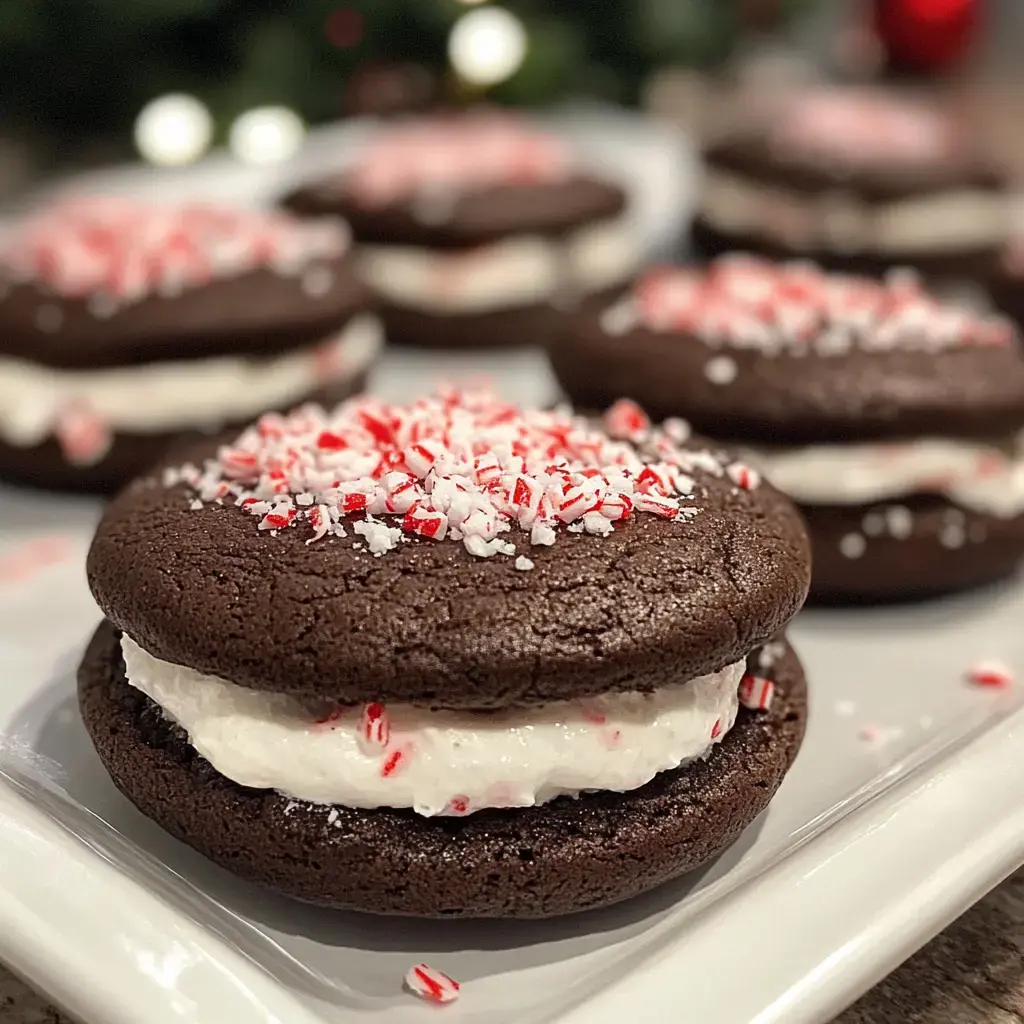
(870, 847)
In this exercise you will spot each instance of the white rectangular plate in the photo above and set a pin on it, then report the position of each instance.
(870, 847)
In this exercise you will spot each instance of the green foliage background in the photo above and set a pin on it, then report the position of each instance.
(74, 70)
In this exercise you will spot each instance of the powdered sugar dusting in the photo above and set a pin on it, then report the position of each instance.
(745, 302)
(459, 464)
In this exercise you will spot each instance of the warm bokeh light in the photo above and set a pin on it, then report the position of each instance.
(487, 45)
(173, 130)
(266, 135)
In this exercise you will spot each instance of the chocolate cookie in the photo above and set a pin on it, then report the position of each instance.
(561, 857)
(856, 180)
(918, 547)
(125, 326)
(652, 601)
(846, 392)
(471, 227)
(436, 623)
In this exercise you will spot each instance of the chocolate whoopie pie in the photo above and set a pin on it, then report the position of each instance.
(125, 326)
(894, 421)
(856, 180)
(451, 659)
(472, 227)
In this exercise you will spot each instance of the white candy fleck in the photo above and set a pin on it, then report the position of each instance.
(853, 545)
(524, 564)
(620, 319)
(721, 370)
(317, 281)
(873, 524)
(900, 520)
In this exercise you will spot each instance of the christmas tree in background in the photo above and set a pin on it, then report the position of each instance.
(75, 75)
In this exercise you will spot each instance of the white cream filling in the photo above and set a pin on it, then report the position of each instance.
(451, 762)
(960, 219)
(193, 393)
(516, 271)
(973, 476)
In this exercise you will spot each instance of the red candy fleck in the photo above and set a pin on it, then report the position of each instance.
(353, 502)
(431, 984)
(330, 718)
(390, 766)
(716, 729)
(331, 442)
(592, 713)
(458, 805)
(991, 673)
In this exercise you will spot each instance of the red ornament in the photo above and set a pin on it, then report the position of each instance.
(925, 35)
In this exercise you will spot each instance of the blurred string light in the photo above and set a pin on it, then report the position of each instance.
(266, 135)
(487, 45)
(173, 130)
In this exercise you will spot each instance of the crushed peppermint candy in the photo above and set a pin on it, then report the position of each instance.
(460, 465)
(431, 984)
(990, 673)
(864, 127)
(756, 693)
(749, 303)
(455, 154)
(117, 250)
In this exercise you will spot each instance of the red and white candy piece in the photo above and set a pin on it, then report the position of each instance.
(626, 421)
(756, 692)
(743, 476)
(431, 984)
(374, 727)
(990, 673)
(83, 436)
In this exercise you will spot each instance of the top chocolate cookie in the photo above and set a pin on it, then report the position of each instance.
(459, 182)
(749, 349)
(855, 177)
(456, 553)
(100, 281)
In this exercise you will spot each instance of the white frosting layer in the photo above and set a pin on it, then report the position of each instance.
(976, 477)
(958, 219)
(267, 741)
(154, 397)
(516, 271)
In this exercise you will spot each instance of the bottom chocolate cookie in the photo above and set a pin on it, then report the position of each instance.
(557, 858)
(44, 465)
(709, 242)
(498, 328)
(918, 548)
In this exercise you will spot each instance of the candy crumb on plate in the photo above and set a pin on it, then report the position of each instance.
(990, 673)
(431, 984)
